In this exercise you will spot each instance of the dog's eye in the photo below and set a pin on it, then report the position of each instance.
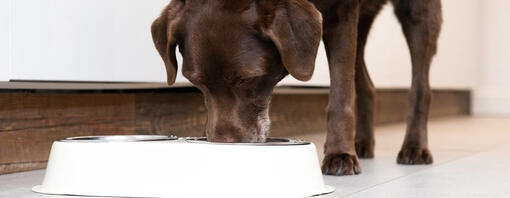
(247, 81)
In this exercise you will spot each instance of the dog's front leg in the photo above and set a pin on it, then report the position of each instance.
(340, 38)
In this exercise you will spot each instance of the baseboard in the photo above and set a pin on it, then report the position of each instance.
(30, 120)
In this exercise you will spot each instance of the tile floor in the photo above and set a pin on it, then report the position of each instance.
(472, 159)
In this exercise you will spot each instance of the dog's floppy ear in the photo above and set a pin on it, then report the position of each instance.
(296, 30)
(163, 34)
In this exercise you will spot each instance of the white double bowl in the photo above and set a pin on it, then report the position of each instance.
(161, 166)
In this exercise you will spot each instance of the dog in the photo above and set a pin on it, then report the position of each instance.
(236, 51)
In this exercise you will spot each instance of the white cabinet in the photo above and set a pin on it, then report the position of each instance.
(85, 40)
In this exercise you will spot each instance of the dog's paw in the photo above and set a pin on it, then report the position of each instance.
(340, 165)
(412, 156)
(365, 149)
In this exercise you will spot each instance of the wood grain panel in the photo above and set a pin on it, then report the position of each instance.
(30, 122)
(393, 106)
(292, 111)
(180, 114)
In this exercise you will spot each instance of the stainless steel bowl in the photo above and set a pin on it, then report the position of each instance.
(120, 138)
(269, 142)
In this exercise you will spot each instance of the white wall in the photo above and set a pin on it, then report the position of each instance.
(492, 94)
(389, 62)
(4, 40)
(457, 60)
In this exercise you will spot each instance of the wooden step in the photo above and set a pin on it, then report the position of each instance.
(30, 120)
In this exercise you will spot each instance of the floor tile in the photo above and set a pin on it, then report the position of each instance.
(485, 174)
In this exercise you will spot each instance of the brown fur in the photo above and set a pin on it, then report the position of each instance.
(235, 51)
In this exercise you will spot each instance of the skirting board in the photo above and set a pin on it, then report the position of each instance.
(30, 120)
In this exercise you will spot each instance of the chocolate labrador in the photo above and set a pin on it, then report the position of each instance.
(236, 51)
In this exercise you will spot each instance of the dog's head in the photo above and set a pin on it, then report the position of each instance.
(235, 52)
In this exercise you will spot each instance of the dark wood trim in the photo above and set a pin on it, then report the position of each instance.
(30, 120)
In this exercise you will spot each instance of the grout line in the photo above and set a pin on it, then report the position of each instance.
(427, 168)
